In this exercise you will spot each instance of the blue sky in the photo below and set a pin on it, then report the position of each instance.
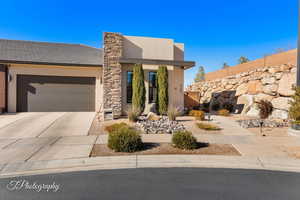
(213, 31)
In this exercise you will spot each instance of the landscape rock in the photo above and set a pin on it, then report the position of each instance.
(161, 126)
(279, 114)
(270, 89)
(263, 96)
(254, 87)
(247, 101)
(265, 83)
(255, 123)
(281, 103)
(242, 89)
(286, 84)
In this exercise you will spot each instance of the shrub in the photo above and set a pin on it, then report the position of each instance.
(138, 89)
(198, 114)
(117, 126)
(208, 127)
(294, 111)
(265, 108)
(223, 112)
(133, 115)
(162, 90)
(172, 114)
(184, 140)
(125, 140)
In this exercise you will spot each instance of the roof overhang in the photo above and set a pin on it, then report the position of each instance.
(178, 63)
(48, 63)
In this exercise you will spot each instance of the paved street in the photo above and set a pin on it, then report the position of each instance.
(172, 183)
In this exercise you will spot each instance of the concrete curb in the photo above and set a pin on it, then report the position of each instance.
(148, 161)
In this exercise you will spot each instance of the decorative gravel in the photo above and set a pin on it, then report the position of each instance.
(163, 125)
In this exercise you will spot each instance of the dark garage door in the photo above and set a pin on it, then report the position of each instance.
(55, 93)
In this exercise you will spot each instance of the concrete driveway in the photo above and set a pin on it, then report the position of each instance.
(45, 136)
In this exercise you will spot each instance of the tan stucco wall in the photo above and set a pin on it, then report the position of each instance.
(175, 80)
(16, 69)
(288, 57)
(152, 48)
(178, 51)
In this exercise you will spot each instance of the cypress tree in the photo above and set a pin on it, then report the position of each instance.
(162, 90)
(138, 89)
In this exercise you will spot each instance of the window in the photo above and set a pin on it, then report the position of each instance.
(152, 87)
(129, 86)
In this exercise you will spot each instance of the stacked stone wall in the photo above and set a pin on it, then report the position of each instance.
(243, 90)
(112, 73)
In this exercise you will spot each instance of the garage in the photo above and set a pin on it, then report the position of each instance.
(37, 93)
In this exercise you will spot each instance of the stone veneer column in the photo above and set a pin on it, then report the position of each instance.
(112, 73)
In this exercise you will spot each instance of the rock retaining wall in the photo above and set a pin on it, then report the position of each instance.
(243, 90)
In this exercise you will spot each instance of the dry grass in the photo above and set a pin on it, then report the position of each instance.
(208, 127)
(167, 149)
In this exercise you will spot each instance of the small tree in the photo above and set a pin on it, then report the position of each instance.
(225, 65)
(265, 110)
(294, 110)
(200, 76)
(243, 59)
(162, 90)
(138, 89)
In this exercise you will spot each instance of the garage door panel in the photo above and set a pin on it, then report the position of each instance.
(55, 93)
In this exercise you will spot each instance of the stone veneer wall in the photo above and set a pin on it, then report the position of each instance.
(112, 73)
(272, 83)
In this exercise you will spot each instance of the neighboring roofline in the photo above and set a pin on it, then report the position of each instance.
(179, 63)
(48, 63)
(55, 43)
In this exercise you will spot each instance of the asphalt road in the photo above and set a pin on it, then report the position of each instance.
(143, 184)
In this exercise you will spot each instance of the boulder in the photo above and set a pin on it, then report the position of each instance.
(268, 80)
(254, 87)
(270, 89)
(263, 96)
(152, 116)
(242, 89)
(275, 69)
(244, 102)
(278, 75)
(294, 70)
(286, 84)
(279, 114)
(253, 112)
(281, 103)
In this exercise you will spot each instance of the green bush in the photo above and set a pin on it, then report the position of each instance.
(138, 89)
(224, 112)
(208, 127)
(125, 140)
(116, 126)
(198, 114)
(162, 90)
(184, 140)
(294, 111)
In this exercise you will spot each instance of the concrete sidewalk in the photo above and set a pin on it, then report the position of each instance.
(147, 161)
